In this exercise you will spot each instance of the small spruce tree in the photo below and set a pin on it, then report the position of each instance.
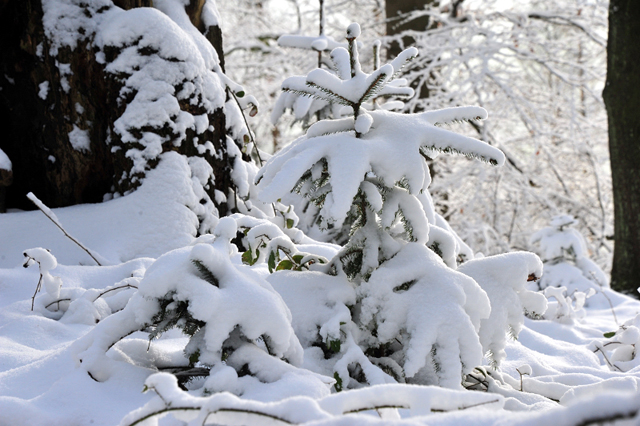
(417, 317)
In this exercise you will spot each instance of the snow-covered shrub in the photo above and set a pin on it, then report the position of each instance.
(565, 257)
(504, 278)
(620, 350)
(570, 277)
(566, 307)
(274, 240)
(369, 170)
(228, 312)
(76, 304)
(46, 262)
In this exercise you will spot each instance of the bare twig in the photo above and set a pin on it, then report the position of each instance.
(598, 348)
(55, 301)
(39, 286)
(246, 123)
(40, 205)
(113, 289)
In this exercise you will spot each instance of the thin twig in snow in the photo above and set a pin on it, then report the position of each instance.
(40, 205)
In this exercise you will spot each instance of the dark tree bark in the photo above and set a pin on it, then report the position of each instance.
(622, 99)
(397, 24)
(35, 133)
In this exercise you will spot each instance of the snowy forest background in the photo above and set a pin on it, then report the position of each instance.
(261, 212)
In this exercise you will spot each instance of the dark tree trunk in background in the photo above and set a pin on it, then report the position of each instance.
(622, 99)
(35, 133)
(396, 24)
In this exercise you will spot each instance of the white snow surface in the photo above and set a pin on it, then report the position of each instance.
(41, 384)
(146, 223)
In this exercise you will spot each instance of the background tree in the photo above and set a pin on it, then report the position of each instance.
(622, 98)
(66, 95)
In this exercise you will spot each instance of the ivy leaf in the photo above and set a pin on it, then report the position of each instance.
(338, 384)
(240, 94)
(271, 263)
(298, 258)
(609, 334)
(289, 223)
(285, 264)
(334, 345)
(247, 258)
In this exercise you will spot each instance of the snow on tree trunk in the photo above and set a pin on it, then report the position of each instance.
(96, 91)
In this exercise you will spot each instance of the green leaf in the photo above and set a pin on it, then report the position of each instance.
(271, 263)
(338, 384)
(334, 345)
(285, 264)
(289, 223)
(298, 258)
(247, 259)
(240, 94)
(609, 334)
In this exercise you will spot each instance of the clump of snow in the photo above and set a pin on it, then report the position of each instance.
(504, 279)
(353, 30)
(620, 349)
(5, 162)
(79, 139)
(566, 307)
(44, 90)
(46, 262)
(156, 218)
(415, 298)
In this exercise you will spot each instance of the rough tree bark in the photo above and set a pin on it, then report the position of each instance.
(396, 24)
(35, 134)
(622, 99)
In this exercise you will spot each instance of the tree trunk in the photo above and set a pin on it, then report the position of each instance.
(396, 25)
(622, 99)
(83, 99)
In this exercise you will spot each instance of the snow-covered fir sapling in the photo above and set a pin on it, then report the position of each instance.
(305, 107)
(414, 318)
(567, 266)
(564, 253)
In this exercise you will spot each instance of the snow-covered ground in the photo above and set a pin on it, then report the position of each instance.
(42, 383)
